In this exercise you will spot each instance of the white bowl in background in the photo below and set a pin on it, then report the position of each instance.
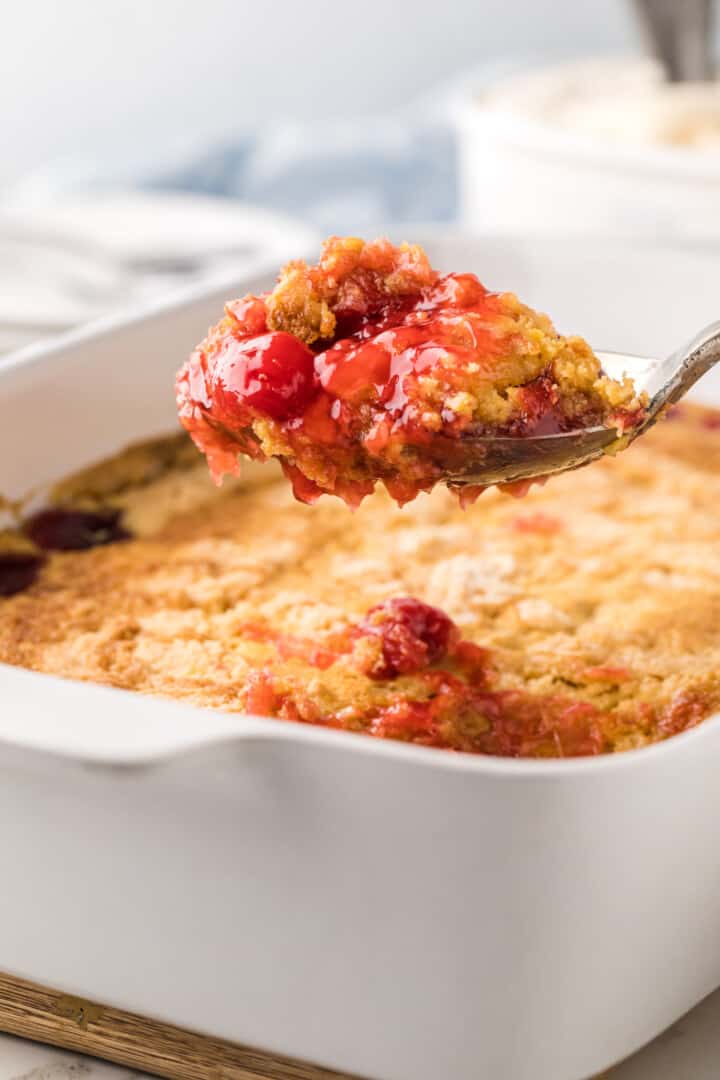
(391, 911)
(595, 146)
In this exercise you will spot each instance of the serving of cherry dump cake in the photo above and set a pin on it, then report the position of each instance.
(580, 621)
(372, 367)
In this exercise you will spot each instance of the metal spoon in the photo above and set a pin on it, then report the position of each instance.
(489, 460)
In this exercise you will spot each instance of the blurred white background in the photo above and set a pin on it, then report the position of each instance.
(125, 125)
(83, 81)
(330, 112)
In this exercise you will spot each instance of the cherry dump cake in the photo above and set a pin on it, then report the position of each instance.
(583, 620)
(371, 366)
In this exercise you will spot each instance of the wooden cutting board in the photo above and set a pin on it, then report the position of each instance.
(49, 1016)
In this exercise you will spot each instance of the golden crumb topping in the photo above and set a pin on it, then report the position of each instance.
(581, 620)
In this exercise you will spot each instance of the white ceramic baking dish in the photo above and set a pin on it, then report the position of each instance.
(521, 169)
(395, 912)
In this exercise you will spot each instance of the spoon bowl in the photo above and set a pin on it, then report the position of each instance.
(499, 460)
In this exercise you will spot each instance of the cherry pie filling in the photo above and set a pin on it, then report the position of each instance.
(370, 365)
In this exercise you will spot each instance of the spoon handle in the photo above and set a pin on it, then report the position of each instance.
(679, 33)
(683, 369)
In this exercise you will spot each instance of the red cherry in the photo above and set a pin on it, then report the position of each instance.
(18, 570)
(273, 375)
(413, 635)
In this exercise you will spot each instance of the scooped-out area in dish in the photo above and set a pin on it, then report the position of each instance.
(581, 621)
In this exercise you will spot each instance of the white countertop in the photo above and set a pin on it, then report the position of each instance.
(689, 1050)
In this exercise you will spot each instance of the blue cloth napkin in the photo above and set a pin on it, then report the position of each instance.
(343, 178)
